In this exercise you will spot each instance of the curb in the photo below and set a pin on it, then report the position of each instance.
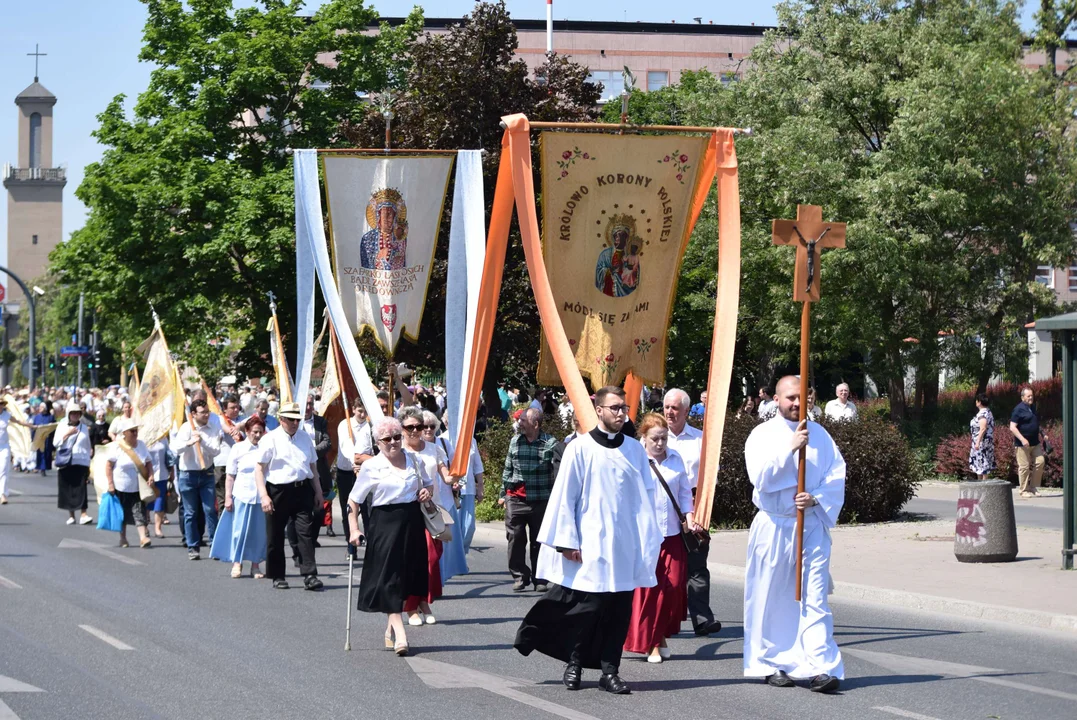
(930, 603)
(845, 591)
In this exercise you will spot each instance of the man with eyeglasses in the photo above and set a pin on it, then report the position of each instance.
(289, 467)
(600, 541)
(195, 482)
(527, 481)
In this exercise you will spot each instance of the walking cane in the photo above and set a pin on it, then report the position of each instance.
(351, 577)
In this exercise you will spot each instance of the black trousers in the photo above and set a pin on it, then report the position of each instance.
(614, 614)
(699, 588)
(295, 502)
(522, 522)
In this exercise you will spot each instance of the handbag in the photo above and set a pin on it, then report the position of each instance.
(438, 521)
(1048, 448)
(147, 491)
(63, 457)
(110, 513)
(694, 540)
(171, 500)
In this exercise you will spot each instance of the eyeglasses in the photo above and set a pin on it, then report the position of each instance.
(391, 438)
(412, 428)
(431, 427)
(615, 409)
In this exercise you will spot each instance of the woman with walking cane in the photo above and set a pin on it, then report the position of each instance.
(395, 565)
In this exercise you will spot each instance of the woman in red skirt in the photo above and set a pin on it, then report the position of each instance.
(657, 611)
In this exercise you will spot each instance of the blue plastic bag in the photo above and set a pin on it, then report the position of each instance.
(110, 513)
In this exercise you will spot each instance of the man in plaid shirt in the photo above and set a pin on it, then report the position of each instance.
(526, 483)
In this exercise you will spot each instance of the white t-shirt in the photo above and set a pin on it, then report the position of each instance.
(346, 450)
(227, 442)
(241, 464)
(124, 470)
(836, 411)
(429, 458)
(79, 443)
(689, 445)
(289, 456)
(474, 463)
(385, 484)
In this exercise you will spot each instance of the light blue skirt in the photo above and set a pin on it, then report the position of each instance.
(467, 519)
(454, 556)
(241, 534)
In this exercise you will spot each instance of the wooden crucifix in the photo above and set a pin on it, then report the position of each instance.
(810, 235)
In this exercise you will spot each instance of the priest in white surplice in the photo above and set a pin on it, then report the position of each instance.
(600, 542)
(785, 640)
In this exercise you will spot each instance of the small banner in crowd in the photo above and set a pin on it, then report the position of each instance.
(384, 215)
(156, 403)
(617, 215)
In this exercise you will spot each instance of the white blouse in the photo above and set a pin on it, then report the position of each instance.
(241, 464)
(673, 472)
(430, 457)
(124, 470)
(158, 456)
(386, 484)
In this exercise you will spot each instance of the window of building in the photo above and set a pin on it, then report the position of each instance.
(1045, 276)
(35, 140)
(730, 77)
(657, 79)
(1073, 278)
(612, 83)
(34, 241)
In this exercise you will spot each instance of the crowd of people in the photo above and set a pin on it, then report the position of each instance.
(600, 523)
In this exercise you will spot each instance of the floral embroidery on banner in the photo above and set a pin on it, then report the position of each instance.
(569, 158)
(608, 365)
(680, 162)
(643, 346)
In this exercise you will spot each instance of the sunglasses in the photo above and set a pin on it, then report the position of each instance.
(412, 428)
(391, 438)
(431, 427)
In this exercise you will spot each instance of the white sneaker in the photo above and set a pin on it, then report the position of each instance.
(654, 658)
(85, 520)
(71, 521)
(415, 619)
(430, 620)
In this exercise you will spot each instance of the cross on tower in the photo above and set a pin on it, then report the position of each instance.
(810, 235)
(37, 56)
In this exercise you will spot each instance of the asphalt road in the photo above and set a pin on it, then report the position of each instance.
(1040, 513)
(99, 636)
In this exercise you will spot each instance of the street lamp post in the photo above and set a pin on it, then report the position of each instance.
(33, 321)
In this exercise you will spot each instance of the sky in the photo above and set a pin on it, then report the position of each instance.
(92, 56)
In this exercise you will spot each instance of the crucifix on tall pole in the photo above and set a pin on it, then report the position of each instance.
(809, 234)
(37, 55)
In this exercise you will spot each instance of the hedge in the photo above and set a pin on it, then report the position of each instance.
(952, 455)
(880, 476)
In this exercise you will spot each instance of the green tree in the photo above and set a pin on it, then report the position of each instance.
(458, 87)
(191, 207)
(918, 125)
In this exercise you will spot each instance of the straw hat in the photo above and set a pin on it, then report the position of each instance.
(290, 410)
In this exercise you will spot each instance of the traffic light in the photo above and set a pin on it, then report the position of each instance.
(35, 365)
(52, 363)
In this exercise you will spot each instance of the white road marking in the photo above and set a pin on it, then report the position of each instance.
(11, 585)
(100, 635)
(444, 676)
(68, 543)
(904, 713)
(905, 665)
(10, 685)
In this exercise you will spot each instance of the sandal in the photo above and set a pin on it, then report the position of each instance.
(145, 543)
(237, 571)
(256, 572)
(124, 543)
(280, 584)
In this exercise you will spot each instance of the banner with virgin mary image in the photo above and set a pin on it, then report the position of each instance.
(615, 223)
(384, 216)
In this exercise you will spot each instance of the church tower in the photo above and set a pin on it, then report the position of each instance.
(35, 190)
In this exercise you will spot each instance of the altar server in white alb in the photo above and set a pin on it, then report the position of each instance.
(785, 640)
(600, 542)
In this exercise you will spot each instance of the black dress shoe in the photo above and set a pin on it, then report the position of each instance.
(573, 676)
(330, 532)
(824, 684)
(614, 684)
(711, 628)
(780, 679)
(311, 582)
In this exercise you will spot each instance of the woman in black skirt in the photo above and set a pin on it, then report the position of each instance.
(395, 563)
(73, 451)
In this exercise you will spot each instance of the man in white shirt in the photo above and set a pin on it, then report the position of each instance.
(841, 408)
(5, 448)
(354, 447)
(688, 442)
(288, 466)
(248, 401)
(539, 401)
(196, 448)
(768, 404)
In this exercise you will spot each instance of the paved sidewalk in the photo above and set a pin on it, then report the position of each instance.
(912, 565)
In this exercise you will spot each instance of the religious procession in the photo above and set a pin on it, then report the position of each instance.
(506, 379)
